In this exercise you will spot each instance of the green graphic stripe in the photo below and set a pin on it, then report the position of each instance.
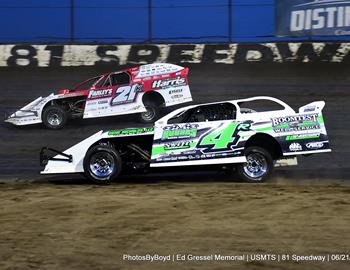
(306, 124)
(282, 126)
(264, 129)
(301, 137)
(320, 119)
(156, 150)
(130, 131)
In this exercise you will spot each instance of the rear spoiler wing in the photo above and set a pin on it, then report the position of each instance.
(315, 106)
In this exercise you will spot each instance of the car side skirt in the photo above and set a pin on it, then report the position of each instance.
(307, 152)
(201, 162)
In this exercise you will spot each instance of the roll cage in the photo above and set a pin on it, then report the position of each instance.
(183, 115)
(109, 79)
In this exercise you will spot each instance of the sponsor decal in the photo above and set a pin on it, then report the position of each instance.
(204, 143)
(295, 123)
(310, 109)
(313, 17)
(180, 132)
(175, 91)
(100, 93)
(295, 147)
(314, 145)
(302, 136)
(31, 55)
(177, 145)
(130, 131)
(177, 96)
(178, 81)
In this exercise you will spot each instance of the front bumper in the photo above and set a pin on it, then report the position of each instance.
(13, 114)
(22, 118)
(29, 114)
(46, 155)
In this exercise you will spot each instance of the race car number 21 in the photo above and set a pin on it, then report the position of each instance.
(126, 94)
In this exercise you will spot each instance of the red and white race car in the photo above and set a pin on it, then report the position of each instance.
(142, 89)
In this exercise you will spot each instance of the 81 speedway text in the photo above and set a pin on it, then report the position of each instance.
(90, 55)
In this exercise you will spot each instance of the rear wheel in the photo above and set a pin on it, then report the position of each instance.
(150, 115)
(102, 164)
(54, 117)
(258, 167)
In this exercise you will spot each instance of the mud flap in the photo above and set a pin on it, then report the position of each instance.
(286, 162)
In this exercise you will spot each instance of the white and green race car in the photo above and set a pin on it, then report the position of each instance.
(252, 135)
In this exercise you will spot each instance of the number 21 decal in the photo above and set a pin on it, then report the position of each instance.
(126, 94)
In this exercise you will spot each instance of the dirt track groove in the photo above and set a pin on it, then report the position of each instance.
(47, 226)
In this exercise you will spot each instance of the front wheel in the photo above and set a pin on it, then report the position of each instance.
(54, 117)
(102, 164)
(258, 167)
(150, 115)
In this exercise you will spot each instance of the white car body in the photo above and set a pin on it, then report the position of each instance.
(204, 142)
(117, 99)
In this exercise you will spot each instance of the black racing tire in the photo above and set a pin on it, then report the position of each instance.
(258, 167)
(151, 115)
(54, 117)
(102, 164)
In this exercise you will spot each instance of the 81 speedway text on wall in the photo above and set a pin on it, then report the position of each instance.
(57, 55)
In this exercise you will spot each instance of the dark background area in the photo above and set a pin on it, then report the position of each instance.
(138, 21)
(296, 84)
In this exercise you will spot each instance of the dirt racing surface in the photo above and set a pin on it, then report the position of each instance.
(75, 226)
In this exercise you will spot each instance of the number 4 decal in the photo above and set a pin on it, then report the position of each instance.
(126, 94)
(222, 138)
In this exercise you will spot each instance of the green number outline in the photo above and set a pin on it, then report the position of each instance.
(222, 138)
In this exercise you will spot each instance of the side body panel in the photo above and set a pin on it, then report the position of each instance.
(176, 95)
(79, 150)
(31, 113)
(173, 87)
(200, 143)
(114, 100)
(303, 133)
(128, 98)
(298, 133)
(216, 142)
